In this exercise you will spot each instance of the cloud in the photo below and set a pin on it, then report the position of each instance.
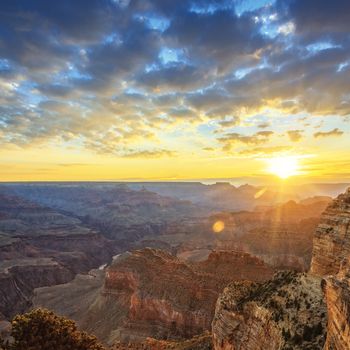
(264, 125)
(334, 132)
(179, 76)
(263, 151)
(112, 76)
(158, 153)
(319, 17)
(229, 139)
(226, 123)
(220, 37)
(295, 135)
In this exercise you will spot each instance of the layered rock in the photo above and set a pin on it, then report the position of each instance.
(331, 256)
(337, 292)
(286, 312)
(332, 237)
(151, 293)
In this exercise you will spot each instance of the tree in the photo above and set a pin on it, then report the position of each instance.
(41, 329)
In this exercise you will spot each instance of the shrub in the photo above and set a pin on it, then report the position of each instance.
(41, 329)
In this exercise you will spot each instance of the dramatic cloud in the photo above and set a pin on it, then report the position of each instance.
(124, 77)
(319, 17)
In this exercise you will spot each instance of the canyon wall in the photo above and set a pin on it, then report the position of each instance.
(331, 259)
(337, 292)
(332, 237)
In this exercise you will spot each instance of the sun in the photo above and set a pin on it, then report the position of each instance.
(283, 167)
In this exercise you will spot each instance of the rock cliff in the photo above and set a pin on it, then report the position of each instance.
(332, 237)
(337, 292)
(331, 259)
(287, 312)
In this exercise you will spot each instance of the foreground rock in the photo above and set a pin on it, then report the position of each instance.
(286, 312)
(337, 292)
(331, 256)
(150, 293)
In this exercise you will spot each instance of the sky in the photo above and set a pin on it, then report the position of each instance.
(174, 90)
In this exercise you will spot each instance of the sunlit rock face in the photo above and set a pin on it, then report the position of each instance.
(287, 312)
(337, 292)
(332, 237)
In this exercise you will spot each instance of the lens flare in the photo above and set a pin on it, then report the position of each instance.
(218, 226)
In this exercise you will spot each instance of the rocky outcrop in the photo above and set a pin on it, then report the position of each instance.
(151, 293)
(286, 312)
(331, 256)
(332, 237)
(337, 292)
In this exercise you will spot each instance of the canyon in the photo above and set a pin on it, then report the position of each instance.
(150, 293)
(41, 247)
(132, 219)
(145, 270)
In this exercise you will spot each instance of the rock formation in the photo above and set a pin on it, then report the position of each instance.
(151, 293)
(331, 259)
(332, 237)
(286, 312)
(337, 292)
